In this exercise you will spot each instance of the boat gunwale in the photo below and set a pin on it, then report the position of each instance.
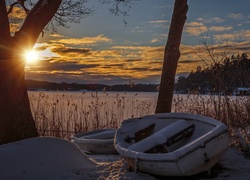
(218, 130)
(165, 154)
(79, 138)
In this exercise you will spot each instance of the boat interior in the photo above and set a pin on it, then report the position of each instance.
(163, 135)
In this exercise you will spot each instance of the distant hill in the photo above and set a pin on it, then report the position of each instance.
(63, 86)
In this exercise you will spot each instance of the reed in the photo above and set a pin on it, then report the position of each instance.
(62, 114)
(234, 111)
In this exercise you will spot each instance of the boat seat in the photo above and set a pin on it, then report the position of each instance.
(164, 136)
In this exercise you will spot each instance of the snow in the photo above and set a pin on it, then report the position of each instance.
(42, 158)
(161, 136)
(55, 158)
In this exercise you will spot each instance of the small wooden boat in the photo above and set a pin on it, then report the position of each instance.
(172, 144)
(99, 141)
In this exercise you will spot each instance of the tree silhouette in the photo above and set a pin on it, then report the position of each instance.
(171, 57)
(219, 78)
(21, 23)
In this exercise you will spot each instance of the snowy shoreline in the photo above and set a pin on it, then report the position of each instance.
(55, 158)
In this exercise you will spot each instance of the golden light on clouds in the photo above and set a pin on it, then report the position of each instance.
(220, 28)
(154, 40)
(132, 62)
(16, 17)
(101, 47)
(129, 62)
(195, 28)
(237, 36)
(44, 50)
(84, 40)
(211, 20)
(100, 57)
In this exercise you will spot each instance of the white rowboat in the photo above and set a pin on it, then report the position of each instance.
(99, 141)
(172, 144)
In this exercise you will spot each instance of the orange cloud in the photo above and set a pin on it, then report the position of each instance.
(84, 41)
(211, 20)
(220, 28)
(16, 17)
(236, 36)
(125, 62)
(195, 28)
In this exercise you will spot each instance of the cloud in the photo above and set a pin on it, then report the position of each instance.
(217, 20)
(16, 17)
(126, 62)
(62, 50)
(55, 35)
(154, 40)
(242, 47)
(159, 23)
(119, 64)
(226, 36)
(220, 28)
(41, 46)
(138, 29)
(211, 20)
(188, 61)
(57, 64)
(235, 36)
(235, 15)
(91, 41)
(195, 28)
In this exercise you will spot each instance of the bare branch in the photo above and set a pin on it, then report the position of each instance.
(70, 11)
(37, 19)
(23, 5)
(11, 7)
(214, 54)
(120, 7)
(19, 2)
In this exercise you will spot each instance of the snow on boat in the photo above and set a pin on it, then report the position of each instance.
(99, 141)
(172, 144)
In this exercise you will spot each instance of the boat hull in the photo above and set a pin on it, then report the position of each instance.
(99, 142)
(189, 156)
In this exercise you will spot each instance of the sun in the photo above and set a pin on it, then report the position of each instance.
(31, 56)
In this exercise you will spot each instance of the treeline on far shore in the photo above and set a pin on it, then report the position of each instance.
(222, 77)
(34, 85)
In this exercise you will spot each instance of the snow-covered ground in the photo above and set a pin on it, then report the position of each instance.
(57, 159)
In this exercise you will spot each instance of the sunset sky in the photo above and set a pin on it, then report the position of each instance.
(101, 49)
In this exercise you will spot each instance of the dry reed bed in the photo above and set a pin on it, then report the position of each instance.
(62, 114)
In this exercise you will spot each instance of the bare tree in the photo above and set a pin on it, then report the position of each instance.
(16, 121)
(171, 57)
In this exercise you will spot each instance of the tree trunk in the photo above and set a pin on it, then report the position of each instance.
(15, 115)
(16, 121)
(171, 57)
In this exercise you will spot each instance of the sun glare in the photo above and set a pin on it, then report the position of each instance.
(31, 56)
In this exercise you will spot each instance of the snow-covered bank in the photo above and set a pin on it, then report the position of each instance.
(42, 158)
(58, 159)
